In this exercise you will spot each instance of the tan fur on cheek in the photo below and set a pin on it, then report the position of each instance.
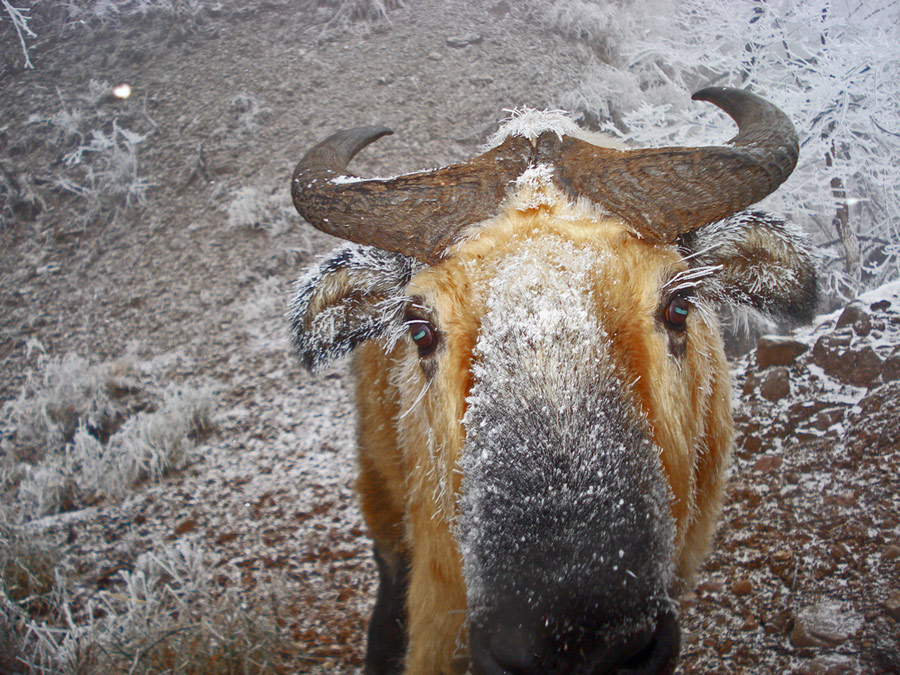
(686, 396)
(432, 404)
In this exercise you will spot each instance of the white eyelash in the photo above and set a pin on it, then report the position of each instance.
(691, 278)
(417, 401)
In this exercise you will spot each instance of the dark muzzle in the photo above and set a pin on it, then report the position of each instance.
(507, 645)
(565, 530)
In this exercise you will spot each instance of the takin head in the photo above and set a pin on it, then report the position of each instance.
(544, 402)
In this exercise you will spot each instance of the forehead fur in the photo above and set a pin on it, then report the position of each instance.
(556, 234)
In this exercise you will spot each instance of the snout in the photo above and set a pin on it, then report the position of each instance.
(565, 529)
(516, 645)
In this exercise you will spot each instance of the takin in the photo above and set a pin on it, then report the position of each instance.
(543, 399)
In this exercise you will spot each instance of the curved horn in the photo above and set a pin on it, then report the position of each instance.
(418, 214)
(665, 192)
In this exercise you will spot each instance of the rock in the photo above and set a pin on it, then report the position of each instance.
(750, 383)
(827, 351)
(859, 367)
(778, 623)
(880, 306)
(827, 624)
(892, 606)
(742, 587)
(827, 665)
(774, 350)
(752, 443)
(768, 463)
(461, 41)
(862, 367)
(890, 369)
(776, 385)
(781, 564)
(711, 586)
(856, 317)
(892, 552)
(827, 418)
(185, 525)
(500, 10)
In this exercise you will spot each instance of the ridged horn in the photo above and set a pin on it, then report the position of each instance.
(664, 192)
(418, 214)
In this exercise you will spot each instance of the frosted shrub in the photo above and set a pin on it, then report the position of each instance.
(27, 570)
(250, 208)
(601, 25)
(149, 445)
(171, 618)
(79, 429)
(100, 161)
(830, 66)
(109, 167)
(53, 402)
(20, 18)
(346, 11)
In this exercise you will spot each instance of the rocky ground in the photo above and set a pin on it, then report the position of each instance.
(804, 575)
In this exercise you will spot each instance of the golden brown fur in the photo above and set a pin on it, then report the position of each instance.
(410, 417)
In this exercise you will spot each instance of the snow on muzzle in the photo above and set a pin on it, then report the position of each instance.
(565, 527)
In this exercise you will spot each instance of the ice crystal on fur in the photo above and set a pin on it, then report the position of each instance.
(558, 464)
(767, 262)
(354, 295)
(530, 123)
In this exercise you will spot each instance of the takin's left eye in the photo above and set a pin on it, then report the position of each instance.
(676, 312)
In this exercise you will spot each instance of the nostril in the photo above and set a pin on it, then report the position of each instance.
(514, 652)
(504, 650)
(657, 654)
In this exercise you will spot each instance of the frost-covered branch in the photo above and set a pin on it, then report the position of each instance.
(830, 65)
(20, 22)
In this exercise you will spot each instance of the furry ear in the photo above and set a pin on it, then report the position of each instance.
(353, 296)
(758, 260)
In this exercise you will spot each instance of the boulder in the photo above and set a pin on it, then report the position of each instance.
(860, 367)
(827, 624)
(774, 350)
(776, 384)
(890, 369)
(857, 318)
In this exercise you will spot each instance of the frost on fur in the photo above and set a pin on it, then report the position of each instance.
(531, 123)
(766, 264)
(551, 431)
(353, 296)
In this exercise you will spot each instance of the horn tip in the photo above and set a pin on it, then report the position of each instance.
(717, 95)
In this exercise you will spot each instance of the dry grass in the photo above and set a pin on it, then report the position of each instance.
(169, 617)
(78, 430)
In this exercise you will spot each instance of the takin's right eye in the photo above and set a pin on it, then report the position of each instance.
(676, 312)
(423, 335)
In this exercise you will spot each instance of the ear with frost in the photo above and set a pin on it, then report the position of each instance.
(763, 262)
(353, 296)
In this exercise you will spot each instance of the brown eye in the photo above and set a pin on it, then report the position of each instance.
(677, 311)
(423, 335)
